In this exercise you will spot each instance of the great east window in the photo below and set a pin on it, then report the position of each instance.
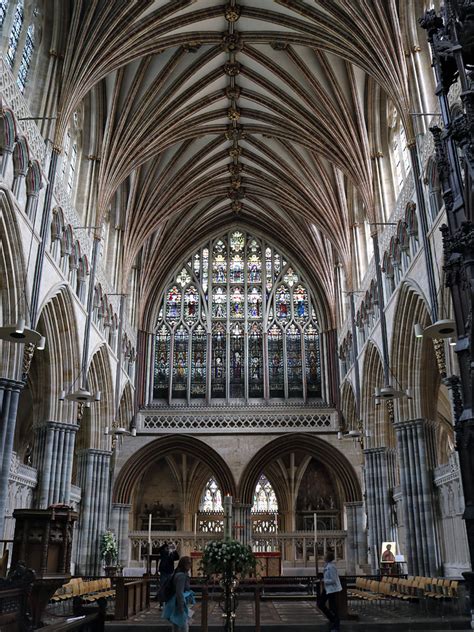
(237, 321)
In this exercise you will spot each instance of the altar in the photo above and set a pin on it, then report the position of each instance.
(268, 564)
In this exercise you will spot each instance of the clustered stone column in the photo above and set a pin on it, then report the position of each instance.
(119, 523)
(54, 452)
(242, 523)
(379, 473)
(356, 553)
(94, 477)
(9, 396)
(415, 445)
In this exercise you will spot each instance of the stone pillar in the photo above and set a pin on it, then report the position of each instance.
(356, 548)
(415, 449)
(119, 523)
(9, 396)
(94, 475)
(379, 472)
(54, 451)
(242, 523)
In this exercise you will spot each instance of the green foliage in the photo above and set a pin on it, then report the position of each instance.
(108, 548)
(228, 557)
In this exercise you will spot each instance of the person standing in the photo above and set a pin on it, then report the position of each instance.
(177, 609)
(168, 556)
(332, 586)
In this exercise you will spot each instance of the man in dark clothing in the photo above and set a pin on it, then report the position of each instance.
(168, 556)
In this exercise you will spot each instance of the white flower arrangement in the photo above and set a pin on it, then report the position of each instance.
(109, 548)
(228, 556)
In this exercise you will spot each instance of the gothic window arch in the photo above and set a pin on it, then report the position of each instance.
(3, 11)
(211, 498)
(237, 321)
(26, 57)
(264, 497)
(17, 25)
(71, 152)
(398, 150)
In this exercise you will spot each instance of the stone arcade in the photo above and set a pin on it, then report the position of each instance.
(224, 218)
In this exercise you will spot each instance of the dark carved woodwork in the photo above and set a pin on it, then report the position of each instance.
(15, 592)
(451, 36)
(43, 542)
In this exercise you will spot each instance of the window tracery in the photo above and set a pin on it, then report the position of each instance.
(3, 11)
(211, 499)
(264, 498)
(234, 302)
(14, 38)
(26, 58)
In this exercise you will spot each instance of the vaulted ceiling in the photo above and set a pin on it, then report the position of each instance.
(255, 111)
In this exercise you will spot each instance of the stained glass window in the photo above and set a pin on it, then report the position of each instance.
(173, 306)
(3, 10)
(233, 323)
(264, 498)
(275, 362)
(191, 304)
(218, 362)
(255, 362)
(283, 303)
(237, 361)
(162, 363)
(293, 362)
(300, 303)
(15, 33)
(26, 58)
(313, 364)
(237, 303)
(211, 499)
(180, 362)
(198, 366)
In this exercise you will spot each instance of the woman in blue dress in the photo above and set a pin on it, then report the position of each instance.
(177, 607)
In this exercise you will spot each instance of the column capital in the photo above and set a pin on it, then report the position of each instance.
(123, 506)
(86, 451)
(380, 450)
(8, 383)
(356, 503)
(57, 425)
(411, 423)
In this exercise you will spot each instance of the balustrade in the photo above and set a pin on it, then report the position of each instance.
(297, 548)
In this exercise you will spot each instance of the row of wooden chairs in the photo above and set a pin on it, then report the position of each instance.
(409, 590)
(88, 590)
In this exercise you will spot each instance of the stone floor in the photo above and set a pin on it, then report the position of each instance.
(301, 615)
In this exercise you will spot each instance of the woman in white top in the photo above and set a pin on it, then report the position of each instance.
(332, 586)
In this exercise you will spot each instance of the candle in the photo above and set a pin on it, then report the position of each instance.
(149, 534)
(315, 519)
(227, 517)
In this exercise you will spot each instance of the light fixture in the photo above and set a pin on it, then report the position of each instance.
(20, 334)
(444, 328)
(388, 392)
(82, 396)
(119, 431)
(418, 330)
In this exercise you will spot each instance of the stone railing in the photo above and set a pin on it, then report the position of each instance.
(297, 548)
(251, 419)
